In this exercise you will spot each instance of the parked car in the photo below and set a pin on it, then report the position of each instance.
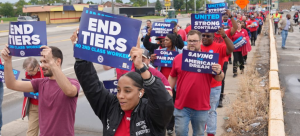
(124, 15)
(25, 18)
(163, 13)
(280, 12)
(286, 10)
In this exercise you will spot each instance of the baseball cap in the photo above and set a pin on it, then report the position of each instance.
(146, 54)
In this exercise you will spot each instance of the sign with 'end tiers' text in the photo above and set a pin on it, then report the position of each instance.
(106, 38)
(16, 73)
(26, 38)
(206, 23)
(200, 62)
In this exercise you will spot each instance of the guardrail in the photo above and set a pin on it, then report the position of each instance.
(276, 120)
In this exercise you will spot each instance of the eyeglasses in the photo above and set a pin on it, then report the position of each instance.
(193, 41)
(207, 36)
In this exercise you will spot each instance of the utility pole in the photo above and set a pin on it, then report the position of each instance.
(147, 3)
(195, 5)
(186, 8)
(112, 7)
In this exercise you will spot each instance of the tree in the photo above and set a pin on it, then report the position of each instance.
(90, 2)
(19, 6)
(178, 4)
(138, 3)
(7, 9)
(158, 6)
(119, 1)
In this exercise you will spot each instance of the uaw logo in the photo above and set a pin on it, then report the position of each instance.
(213, 72)
(125, 65)
(199, 70)
(115, 82)
(100, 59)
(166, 64)
(206, 30)
(22, 53)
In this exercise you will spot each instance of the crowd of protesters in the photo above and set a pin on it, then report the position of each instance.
(150, 100)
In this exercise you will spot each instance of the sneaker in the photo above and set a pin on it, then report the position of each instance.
(220, 104)
(230, 62)
(245, 62)
(283, 47)
(234, 75)
(170, 132)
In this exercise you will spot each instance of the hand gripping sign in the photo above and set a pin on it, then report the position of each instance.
(200, 62)
(164, 58)
(217, 8)
(16, 73)
(161, 28)
(240, 42)
(206, 23)
(26, 38)
(106, 38)
(111, 85)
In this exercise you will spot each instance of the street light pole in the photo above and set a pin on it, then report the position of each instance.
(195, 6)
(112, 7)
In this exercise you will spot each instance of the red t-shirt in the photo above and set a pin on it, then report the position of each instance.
(124, 126)
(252, 29)
(161, 76)
(188, 29)
(238, 34)
(56, 110)
(182, 33)
(193, 89)
(166, 71)
(216, 48)
(39, 74)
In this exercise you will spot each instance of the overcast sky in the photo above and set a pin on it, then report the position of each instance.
(97, 1)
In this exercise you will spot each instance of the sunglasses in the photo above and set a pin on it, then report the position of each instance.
(207, 36)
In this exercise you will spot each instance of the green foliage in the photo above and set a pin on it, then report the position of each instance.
(158, 5)
(119, 1)
(9, 19)
(138, 3)
(178, 4)
(89, 2)
(7, 9)
(19, 6)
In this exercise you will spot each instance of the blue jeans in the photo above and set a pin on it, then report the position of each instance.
(284, 34)
(212, 113)
(1, 99)
(183, 117)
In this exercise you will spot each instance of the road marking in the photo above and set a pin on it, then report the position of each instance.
(3, 31)
(59, 41)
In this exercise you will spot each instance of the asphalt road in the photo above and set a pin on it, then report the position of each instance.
(85, 117)
(289, 65)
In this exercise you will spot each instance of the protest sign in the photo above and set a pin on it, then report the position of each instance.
(26, 38)
(217, 8)
(161, 28)
(16, 73)
(240, 42)
(106, 38)
(206, 23)
(31, 94)
(164, 58)
(144, 31)
(111, 85)
(169, 20)
(200, 62)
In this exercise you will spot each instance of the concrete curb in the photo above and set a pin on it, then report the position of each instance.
(276, 118)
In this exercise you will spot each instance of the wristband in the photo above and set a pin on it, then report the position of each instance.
(220, 73)
(224, 37)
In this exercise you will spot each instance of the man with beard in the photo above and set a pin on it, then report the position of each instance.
(224, 50)
(57, 93)
(193, 89)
